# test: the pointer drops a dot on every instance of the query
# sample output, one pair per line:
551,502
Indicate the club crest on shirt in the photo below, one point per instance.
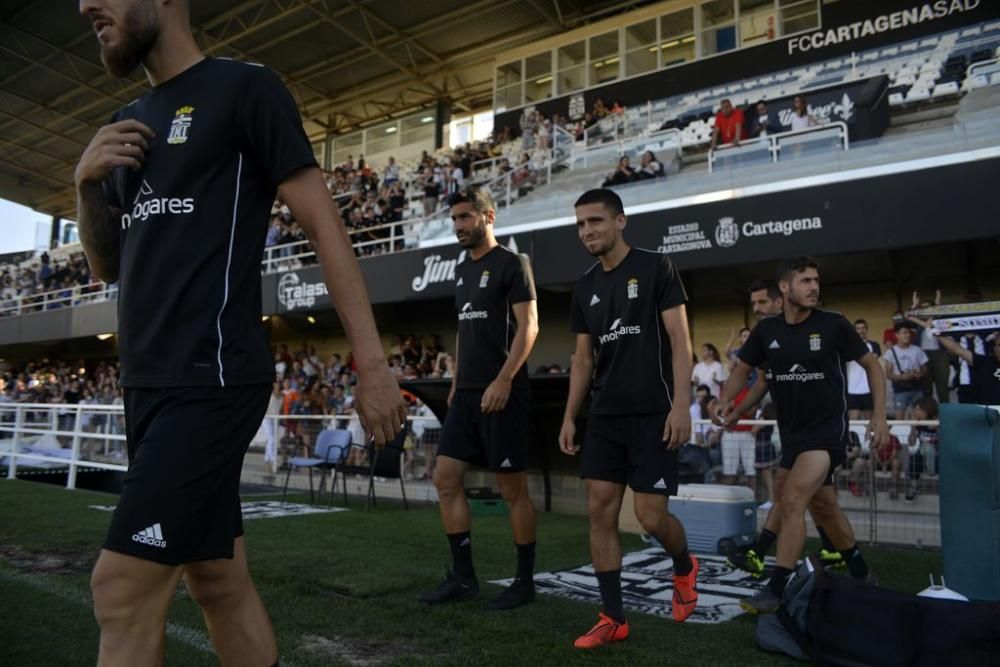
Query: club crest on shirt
180,125
633,288
484,279
815,343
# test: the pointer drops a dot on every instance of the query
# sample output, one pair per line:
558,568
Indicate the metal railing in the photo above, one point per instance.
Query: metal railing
598,153
984,73
92,436
58,298
86,437
772,142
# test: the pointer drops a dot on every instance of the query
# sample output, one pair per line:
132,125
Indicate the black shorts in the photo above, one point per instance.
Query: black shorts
629,449
498,441
860,402
838,454
180,498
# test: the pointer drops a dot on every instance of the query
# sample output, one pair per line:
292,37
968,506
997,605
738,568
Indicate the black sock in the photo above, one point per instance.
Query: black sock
525,561
779,579
764,542
682,563
461,554
855,562
610,583
827,544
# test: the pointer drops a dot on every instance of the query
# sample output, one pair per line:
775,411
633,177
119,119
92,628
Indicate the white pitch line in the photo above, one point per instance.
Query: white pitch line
184,635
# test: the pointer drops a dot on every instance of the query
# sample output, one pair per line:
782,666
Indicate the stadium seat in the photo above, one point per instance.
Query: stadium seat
917,95
944,89
332,446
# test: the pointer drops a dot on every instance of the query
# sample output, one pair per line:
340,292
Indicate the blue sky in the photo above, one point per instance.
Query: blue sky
18,226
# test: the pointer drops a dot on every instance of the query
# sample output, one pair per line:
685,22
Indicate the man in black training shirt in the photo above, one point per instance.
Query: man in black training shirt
766,301
633,348
488,422
805,351
985,367
173,201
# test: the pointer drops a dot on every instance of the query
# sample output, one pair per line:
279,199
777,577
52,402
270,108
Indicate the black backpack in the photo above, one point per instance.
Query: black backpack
840,621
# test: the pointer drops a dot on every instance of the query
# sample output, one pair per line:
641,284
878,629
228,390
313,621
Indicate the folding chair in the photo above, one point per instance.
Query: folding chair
331,449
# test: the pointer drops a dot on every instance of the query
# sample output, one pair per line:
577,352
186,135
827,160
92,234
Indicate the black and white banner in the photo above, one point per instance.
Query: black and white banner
647,586
961,318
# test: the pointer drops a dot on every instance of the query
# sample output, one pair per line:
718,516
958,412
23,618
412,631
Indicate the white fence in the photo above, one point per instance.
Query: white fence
772,144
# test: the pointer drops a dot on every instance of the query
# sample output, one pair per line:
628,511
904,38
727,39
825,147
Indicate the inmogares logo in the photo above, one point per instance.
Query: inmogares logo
144,209
468,314
617,330
798,373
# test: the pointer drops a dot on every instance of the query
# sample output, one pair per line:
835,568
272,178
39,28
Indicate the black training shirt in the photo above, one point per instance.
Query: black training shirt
485,291
193,223
806,374
986,378
621,310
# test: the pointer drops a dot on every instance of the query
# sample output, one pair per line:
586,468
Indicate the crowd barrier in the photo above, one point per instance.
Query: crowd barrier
872,490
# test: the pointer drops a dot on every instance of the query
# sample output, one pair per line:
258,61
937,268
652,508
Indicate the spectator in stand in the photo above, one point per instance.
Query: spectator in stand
886,457
764,122
737,340
543,132
390,173
432,191
889,335
649,167
709,370
600,111
801,119
728,125
859,394
924,439
739,448
985,367
766,454
905,366
963,377
938,369
622,175
616,107
457,175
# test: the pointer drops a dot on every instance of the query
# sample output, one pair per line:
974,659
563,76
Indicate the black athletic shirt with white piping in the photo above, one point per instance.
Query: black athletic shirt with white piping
193,223
621,310
485,291
806,374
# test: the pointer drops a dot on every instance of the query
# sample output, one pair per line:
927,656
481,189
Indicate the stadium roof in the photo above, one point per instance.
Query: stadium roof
347,63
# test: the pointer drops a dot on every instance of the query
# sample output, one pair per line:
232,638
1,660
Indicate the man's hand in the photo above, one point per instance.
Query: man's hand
677,430
380,405
726,415
121,144
878,433
567,436
495,397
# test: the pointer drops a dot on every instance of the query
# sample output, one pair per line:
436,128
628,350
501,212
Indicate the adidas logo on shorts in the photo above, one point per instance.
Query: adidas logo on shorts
594,300
774,345
152,536
660,484
506,464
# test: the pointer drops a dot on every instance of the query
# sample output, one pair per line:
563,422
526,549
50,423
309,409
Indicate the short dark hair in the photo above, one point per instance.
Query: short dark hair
759,102
773,292
609,198
860,320
794,265
479,198
705,388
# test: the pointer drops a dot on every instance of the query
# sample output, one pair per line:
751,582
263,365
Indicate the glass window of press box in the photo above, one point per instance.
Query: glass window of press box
383,137
643,46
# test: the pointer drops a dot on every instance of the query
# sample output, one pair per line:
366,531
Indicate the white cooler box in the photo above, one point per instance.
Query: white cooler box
716,517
